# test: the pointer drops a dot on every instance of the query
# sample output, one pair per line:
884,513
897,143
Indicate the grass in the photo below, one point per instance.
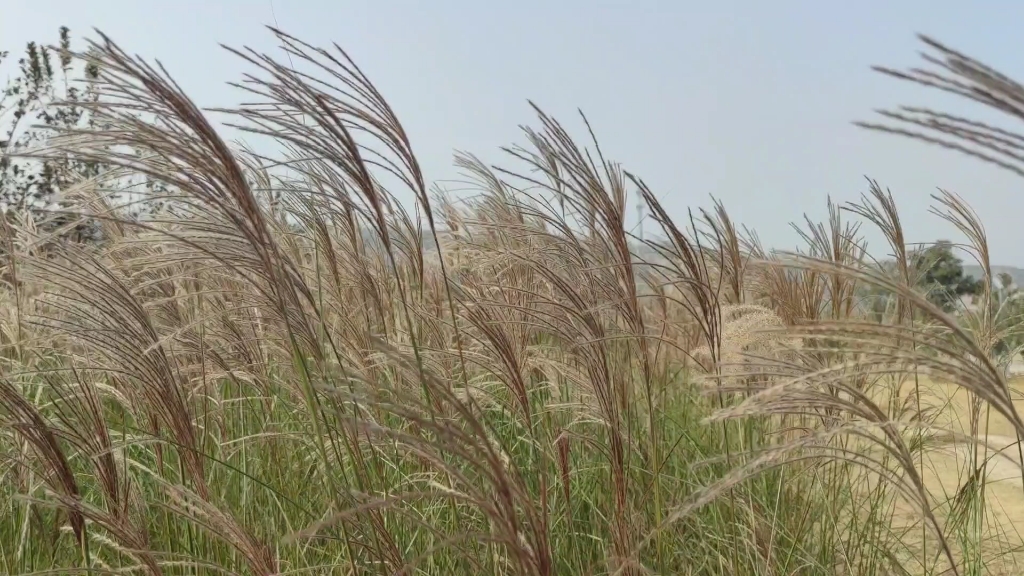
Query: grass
286,372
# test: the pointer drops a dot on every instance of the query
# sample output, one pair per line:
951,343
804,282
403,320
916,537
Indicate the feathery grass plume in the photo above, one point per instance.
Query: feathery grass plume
688,268
79,407
797,296
486,481
595,193
97,305
879,209
989,328
838,242
746,333
729,244
21,416
961,75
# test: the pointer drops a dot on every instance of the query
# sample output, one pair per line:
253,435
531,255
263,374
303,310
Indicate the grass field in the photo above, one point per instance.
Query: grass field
278,373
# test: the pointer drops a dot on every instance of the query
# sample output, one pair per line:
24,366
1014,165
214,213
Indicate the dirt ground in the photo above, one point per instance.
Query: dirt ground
945,468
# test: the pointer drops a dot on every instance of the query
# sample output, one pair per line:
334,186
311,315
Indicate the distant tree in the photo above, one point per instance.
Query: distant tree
51,93
1005,281
942,275
45,97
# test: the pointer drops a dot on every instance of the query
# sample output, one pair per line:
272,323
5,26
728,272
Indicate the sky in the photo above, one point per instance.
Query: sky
749,101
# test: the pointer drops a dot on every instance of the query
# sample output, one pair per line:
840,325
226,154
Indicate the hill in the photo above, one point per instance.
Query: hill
1016,273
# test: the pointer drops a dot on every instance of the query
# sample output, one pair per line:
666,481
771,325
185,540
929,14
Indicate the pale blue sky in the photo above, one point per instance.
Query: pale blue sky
748,100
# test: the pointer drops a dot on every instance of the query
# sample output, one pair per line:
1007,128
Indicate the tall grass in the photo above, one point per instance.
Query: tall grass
288,372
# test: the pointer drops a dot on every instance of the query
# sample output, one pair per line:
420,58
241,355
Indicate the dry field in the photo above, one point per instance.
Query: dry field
1005,486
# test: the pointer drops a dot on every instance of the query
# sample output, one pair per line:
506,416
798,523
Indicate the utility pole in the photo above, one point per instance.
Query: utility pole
640,216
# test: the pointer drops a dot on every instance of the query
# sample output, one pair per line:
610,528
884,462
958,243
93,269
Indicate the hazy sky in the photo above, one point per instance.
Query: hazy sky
750,101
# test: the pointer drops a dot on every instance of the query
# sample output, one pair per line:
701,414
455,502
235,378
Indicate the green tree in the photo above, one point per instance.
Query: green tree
942,275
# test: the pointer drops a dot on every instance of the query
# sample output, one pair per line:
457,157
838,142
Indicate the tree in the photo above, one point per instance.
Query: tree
1005,282
41,102
942,275
47,96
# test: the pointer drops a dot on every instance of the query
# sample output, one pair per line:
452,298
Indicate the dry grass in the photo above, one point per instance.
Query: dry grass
287,372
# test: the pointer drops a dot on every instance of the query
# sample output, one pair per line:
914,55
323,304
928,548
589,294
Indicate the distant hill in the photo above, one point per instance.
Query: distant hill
652,255
1016,273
